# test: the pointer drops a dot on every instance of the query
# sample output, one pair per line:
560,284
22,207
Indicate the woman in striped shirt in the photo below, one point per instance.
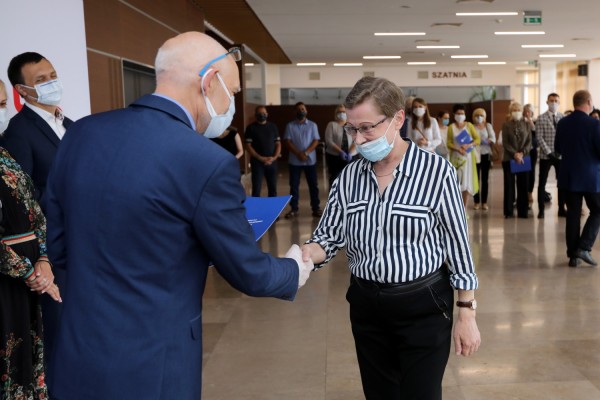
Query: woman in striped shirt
398,213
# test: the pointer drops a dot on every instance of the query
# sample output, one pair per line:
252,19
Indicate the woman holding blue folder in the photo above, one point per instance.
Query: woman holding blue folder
516,164
462,139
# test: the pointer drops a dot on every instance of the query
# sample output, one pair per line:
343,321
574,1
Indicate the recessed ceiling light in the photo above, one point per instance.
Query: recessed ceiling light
470,56
400,33
520,33
438,47
381,57
491,62
477,14
347,64
557,55
310,64
249,64
541,46
421,63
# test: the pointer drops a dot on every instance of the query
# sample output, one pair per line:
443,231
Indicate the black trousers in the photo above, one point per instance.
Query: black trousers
335,165
586,239
483,173
544,170
521,179
402,339
269,172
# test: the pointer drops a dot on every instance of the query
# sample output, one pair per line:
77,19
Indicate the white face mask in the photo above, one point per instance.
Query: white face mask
218,123
479,119
341,116
516,115
48,93
553,107
419,111
460,118
3,119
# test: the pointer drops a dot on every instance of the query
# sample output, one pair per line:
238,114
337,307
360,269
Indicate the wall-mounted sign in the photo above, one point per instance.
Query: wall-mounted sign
450,74
532,17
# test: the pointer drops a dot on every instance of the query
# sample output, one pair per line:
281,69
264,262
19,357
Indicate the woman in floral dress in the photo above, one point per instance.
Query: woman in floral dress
25,273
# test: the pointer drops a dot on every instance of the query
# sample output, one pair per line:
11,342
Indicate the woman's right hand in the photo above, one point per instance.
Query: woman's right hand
54,292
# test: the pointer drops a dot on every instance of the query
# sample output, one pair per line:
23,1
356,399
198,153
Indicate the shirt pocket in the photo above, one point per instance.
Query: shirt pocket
410,224
355,218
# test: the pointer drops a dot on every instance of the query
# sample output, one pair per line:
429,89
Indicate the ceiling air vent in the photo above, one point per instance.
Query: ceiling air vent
422,74
425,41
474,1
314,76
370,74
446,24
477,74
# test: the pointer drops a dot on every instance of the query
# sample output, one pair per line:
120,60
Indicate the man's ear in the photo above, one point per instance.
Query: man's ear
208,80
21,90
399,119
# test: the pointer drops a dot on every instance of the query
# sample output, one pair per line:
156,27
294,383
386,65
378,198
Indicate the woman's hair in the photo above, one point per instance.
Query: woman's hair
458,107
386,95
2,86
479,111
426,117
440,115
337,110
513,105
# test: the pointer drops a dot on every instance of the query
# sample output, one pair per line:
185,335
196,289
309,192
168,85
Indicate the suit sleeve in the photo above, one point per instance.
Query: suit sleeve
19,148
55,235
224,232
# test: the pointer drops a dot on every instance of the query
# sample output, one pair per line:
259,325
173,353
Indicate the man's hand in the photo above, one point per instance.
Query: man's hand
304,268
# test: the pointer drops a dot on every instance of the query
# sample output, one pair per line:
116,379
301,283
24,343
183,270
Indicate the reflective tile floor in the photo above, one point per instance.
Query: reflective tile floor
539,320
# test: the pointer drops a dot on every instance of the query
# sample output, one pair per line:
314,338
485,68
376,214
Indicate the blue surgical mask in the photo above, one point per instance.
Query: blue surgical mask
48,93
378,149
446,121
218,123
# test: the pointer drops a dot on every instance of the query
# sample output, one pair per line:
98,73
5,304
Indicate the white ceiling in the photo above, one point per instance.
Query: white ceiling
343,30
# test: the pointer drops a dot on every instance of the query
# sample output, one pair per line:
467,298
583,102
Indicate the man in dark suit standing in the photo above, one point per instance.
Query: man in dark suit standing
578,141
32,138
139,202
33,135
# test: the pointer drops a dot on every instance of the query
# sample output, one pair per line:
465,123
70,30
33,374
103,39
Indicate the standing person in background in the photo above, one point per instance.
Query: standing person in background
578,141
484,153
462,155
230,140
443,119
302,138
264,146
407,251
339,147
545,129
595,114
25,274
423,130
405,127
137,226
516,140
32,139
528,117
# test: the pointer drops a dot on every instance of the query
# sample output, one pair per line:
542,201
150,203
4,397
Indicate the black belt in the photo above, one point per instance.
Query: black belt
403,287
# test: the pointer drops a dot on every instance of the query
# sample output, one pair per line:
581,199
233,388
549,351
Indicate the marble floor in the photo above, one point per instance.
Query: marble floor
539,320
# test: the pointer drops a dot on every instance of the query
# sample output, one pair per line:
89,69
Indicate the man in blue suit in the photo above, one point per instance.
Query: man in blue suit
139,204
578,141
32,138
33,135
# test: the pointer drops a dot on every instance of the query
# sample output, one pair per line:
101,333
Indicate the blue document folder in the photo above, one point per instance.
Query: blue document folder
515,167
261,212
463,138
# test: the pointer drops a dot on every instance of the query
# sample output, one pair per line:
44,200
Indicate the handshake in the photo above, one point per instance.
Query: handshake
345,156
304,268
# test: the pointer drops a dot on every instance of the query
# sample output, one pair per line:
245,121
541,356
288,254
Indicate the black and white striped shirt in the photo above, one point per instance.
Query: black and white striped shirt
405,233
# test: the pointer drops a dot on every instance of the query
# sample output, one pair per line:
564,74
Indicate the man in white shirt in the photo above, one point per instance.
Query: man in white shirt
33,135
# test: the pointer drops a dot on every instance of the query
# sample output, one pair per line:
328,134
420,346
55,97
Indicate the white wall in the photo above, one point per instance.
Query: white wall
56,30
594,81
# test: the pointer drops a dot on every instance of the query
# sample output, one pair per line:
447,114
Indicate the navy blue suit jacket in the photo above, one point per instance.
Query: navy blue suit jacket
138,203
578,141
33,144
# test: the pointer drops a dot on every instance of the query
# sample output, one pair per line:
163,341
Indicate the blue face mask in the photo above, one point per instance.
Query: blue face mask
378,149
446,121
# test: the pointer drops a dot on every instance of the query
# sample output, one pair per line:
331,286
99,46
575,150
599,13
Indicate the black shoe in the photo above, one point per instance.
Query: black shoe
562,213
574,262
540,215
291,214
585,256
547,197
317,213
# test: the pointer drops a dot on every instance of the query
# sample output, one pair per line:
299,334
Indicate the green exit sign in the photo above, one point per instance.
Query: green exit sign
532,20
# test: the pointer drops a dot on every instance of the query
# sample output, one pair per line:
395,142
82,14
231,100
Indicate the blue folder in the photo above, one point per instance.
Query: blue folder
515,167
261,212
463,137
